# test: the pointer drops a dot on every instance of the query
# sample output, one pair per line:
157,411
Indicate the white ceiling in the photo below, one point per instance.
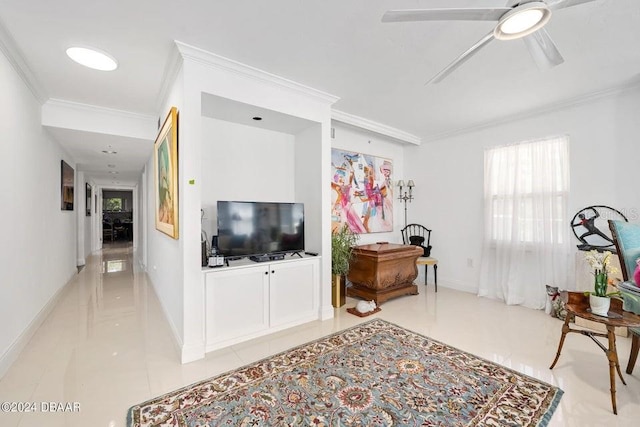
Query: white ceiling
336,46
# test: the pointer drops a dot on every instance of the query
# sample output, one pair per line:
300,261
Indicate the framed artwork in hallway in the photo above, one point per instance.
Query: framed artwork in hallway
166,175
66,186
88,197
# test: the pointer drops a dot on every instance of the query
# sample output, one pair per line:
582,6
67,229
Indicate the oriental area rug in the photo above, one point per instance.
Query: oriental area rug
373,374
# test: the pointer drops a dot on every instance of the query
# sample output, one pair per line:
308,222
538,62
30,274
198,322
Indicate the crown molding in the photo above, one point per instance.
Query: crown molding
216,61
556,106
376,127
15,57
94,109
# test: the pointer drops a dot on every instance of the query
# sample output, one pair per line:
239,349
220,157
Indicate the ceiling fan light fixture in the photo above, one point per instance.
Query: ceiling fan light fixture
522,20
92,58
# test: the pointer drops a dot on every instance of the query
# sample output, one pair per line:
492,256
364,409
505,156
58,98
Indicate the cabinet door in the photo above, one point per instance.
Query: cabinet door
293,291
237,304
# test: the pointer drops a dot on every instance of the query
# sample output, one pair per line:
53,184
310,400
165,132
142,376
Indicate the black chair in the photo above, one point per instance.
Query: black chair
108,231
417,235
118,228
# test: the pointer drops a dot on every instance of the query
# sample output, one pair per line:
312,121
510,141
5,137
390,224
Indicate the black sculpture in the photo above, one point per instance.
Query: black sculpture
587,231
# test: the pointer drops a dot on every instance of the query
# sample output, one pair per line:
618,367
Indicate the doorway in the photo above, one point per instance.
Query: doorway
117,217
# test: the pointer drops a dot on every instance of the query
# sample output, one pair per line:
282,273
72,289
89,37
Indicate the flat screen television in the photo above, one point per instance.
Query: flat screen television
259,228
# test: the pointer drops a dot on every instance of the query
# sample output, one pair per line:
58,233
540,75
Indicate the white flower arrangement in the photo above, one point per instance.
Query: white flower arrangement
600,262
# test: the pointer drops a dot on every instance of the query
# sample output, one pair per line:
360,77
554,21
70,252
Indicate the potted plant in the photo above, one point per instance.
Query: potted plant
342,242
599,300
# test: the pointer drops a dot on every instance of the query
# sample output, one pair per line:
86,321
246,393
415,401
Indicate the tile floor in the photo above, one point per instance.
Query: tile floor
107,346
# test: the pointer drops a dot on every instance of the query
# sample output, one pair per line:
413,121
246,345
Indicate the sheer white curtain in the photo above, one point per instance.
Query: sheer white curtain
526,243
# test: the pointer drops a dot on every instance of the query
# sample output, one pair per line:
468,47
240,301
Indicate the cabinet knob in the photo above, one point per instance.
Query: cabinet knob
272,272
266,272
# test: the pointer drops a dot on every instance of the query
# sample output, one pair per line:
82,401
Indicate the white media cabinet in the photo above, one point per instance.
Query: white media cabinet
246,299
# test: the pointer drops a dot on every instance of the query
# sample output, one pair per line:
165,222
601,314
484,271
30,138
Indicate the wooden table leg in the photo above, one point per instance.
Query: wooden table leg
614,349
565,330
635,348
612,355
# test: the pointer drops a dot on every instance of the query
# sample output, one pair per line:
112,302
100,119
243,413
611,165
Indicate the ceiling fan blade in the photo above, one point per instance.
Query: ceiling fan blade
478,14
461,59
563,4
543,50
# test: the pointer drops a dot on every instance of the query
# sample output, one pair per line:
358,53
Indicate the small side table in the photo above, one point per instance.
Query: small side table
427,261
578,306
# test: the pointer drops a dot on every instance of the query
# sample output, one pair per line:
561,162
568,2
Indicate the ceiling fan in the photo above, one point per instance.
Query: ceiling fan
518,19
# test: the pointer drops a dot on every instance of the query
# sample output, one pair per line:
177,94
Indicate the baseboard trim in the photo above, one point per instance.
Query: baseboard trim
13,352
192,352
458,285
326,312
177,341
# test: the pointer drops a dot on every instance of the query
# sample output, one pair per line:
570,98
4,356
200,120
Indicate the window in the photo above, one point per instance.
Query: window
526,243
526,190
113,204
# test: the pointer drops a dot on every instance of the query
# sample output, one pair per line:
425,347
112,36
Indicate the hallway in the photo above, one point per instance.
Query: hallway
107,346
94,348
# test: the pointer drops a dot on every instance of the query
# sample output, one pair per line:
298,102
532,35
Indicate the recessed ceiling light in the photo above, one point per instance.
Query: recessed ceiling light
256,118
111,166
92,58
113,172
109,152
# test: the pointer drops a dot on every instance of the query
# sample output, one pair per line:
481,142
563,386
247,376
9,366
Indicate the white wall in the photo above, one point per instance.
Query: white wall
308,188
312,175
604,151
141,219
362,141
244,163
164,254
38,249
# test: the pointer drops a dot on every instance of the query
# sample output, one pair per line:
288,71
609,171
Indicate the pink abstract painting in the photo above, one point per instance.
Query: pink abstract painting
362,192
